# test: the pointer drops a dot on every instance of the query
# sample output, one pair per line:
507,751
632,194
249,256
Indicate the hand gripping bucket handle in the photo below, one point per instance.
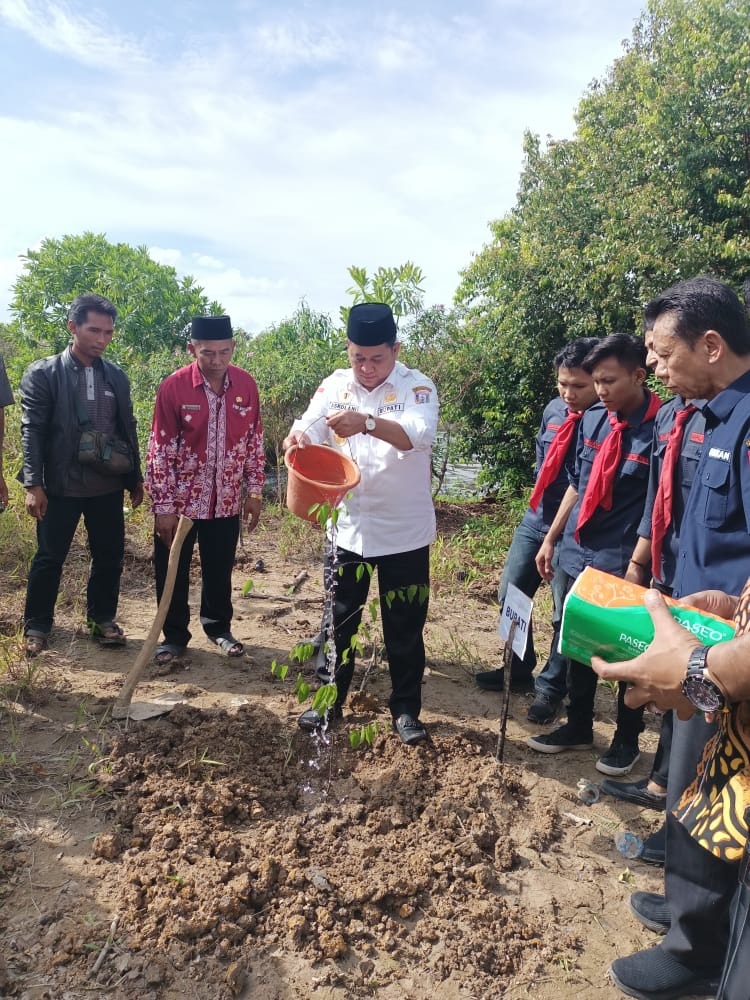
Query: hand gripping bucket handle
317,475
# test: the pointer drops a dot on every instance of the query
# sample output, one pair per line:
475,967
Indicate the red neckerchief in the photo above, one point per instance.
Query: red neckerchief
661,516
600,485
553,460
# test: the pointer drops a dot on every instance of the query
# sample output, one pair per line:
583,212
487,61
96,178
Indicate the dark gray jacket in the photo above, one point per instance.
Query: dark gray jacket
49,421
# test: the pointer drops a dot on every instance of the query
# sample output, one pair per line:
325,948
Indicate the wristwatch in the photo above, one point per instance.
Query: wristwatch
369,423
697,685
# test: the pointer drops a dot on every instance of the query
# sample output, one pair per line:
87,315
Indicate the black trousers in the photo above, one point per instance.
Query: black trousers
105,527
217,545
402,619
582,683
699,887
660,769
736,973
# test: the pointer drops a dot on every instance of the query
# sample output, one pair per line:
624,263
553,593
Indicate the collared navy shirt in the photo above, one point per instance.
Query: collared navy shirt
684,474
608,539
715,536
555,413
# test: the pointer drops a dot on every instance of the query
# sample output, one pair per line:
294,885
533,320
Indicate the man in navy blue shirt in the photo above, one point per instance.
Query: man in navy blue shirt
598,520
680,441
702,341
555,450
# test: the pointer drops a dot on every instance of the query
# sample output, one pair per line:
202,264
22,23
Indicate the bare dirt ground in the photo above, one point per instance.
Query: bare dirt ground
221,852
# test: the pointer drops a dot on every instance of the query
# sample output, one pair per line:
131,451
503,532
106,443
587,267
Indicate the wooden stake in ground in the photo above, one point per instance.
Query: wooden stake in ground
507,660
121,708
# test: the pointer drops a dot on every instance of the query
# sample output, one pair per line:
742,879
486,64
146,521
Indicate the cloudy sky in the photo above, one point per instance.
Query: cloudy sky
263,147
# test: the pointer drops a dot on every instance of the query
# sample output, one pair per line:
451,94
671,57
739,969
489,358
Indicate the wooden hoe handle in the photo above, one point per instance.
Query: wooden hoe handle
151,641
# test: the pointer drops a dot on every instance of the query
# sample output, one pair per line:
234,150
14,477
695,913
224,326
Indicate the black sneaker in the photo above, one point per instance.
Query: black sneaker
543,709
492,680
655,847
652,910
655,975
410,730
310,720
563,738
619,759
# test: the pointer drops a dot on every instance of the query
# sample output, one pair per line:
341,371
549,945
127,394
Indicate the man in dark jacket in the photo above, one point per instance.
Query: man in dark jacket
61,396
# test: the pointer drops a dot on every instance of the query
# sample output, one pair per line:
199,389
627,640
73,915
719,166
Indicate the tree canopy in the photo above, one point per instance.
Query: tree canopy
653,188
154,305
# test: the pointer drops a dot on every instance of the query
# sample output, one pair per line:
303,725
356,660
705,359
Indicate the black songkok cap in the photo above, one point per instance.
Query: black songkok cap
211,328
370,324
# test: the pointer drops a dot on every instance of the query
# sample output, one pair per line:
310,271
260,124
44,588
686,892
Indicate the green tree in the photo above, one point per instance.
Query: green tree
399,287
654,187
154,304
288,361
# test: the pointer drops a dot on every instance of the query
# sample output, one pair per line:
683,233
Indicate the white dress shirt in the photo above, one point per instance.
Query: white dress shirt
391,510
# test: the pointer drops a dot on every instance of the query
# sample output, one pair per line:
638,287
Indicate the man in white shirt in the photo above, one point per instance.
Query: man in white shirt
384,415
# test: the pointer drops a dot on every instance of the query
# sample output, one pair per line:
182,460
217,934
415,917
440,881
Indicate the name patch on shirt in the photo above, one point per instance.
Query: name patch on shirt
391,408
723,456
422,393
107,392
342,406
697,438
190,406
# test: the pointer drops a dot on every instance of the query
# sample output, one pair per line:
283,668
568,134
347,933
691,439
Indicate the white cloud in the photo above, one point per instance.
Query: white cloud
76,36
265,157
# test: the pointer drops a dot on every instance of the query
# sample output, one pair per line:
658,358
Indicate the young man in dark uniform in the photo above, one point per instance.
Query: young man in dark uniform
555,450
678,440
598,520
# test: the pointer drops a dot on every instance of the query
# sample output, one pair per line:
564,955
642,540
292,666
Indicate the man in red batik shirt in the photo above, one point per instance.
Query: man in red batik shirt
206,461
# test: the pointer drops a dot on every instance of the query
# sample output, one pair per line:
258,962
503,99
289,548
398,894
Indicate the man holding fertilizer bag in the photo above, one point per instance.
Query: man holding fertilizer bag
702,341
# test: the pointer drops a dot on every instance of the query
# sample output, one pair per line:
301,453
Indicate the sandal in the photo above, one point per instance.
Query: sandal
34,643
168,652
228,644
107,633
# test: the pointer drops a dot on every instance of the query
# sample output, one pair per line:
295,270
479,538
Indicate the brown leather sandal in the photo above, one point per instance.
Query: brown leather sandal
107,633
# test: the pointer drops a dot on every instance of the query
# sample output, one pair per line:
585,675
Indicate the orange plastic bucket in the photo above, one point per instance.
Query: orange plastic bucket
317,474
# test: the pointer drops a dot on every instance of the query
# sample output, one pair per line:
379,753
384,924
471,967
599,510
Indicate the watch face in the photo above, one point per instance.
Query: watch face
370,423
702,693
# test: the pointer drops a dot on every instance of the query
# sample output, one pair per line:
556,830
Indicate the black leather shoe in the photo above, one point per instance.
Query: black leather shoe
543,709
636,792
655,847
410,730
310,720
492,680
651,909
655,975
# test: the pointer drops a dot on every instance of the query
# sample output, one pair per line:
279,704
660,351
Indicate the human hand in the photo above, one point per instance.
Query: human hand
36,502
656,675
136,496
716,602
251,512
295,437
165,527
347,423
544,560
